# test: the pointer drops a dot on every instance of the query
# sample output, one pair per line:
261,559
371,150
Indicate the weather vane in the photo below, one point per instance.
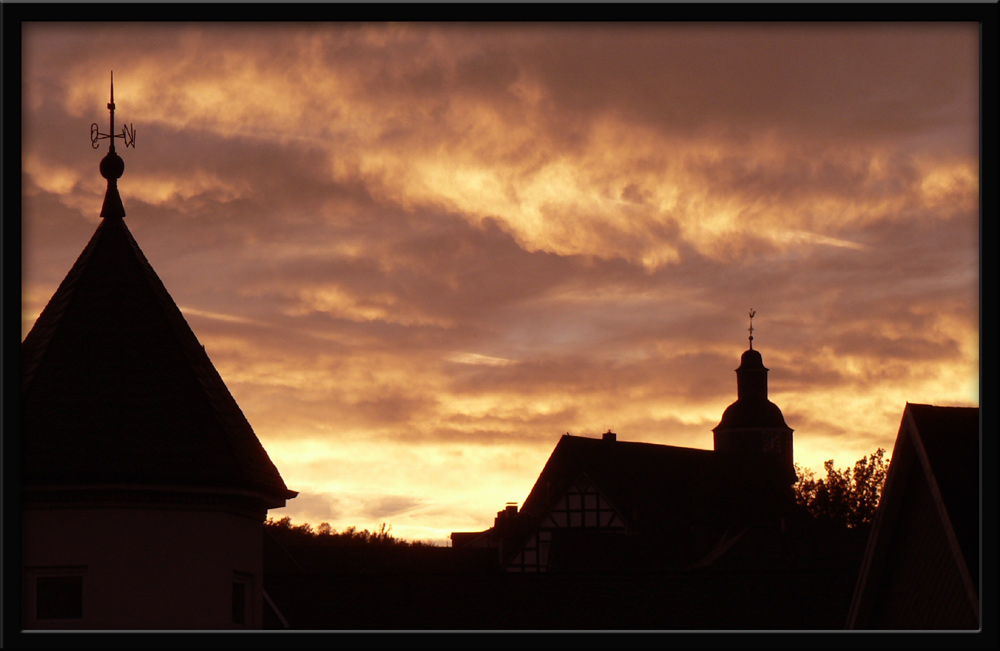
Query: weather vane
753,313
128,133
112,166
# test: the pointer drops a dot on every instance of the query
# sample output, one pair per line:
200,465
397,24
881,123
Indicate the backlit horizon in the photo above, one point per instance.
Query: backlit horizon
418,254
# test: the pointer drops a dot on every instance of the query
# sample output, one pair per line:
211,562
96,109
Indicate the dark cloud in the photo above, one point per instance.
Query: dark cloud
805,175
488,73
814,81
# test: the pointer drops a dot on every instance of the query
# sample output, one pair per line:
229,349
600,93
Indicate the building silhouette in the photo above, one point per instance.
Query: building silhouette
613,535
603,503
144,488
921,566
753,429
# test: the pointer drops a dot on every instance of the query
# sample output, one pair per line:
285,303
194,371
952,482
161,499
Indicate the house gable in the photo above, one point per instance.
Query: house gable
920,566
583,506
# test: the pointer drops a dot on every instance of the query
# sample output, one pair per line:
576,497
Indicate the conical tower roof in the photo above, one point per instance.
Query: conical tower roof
116,390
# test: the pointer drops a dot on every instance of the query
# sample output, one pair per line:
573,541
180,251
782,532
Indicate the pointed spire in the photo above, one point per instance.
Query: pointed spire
112,166
96,413
753,313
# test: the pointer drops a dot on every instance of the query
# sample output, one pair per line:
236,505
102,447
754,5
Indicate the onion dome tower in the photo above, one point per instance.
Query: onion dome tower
144,487
753,428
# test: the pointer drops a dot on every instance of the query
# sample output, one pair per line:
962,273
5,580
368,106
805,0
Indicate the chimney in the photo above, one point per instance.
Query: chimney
505,517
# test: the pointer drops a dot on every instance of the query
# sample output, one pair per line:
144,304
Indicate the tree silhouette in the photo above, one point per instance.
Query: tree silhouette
324,534
847,497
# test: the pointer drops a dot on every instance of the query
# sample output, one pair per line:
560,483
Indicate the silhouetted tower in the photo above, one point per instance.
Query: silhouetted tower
752,428
143,486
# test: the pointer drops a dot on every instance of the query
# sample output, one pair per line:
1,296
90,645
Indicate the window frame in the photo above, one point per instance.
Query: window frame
242,582
37,576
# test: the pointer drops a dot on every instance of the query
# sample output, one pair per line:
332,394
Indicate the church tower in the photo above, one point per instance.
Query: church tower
143,487
753,428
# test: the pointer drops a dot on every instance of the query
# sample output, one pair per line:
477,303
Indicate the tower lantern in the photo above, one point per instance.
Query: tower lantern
753,427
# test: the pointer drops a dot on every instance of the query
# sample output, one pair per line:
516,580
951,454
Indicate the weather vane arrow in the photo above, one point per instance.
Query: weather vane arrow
112,166
128,133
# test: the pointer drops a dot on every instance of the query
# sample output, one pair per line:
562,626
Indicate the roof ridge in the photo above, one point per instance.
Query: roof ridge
577,437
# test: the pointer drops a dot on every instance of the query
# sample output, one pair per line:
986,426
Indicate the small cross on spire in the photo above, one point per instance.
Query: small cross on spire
753,313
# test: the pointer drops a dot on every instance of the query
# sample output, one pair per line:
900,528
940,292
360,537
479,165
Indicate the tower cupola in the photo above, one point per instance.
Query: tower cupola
753,427
751,377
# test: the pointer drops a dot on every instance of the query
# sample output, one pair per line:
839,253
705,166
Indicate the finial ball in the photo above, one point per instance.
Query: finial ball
112,166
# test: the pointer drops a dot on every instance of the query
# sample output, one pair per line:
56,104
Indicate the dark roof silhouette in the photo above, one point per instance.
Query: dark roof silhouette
679,506
921,566
651,484
752,409
117,390
743,414
950,437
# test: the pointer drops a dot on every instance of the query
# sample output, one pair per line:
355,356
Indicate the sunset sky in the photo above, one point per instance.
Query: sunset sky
420,253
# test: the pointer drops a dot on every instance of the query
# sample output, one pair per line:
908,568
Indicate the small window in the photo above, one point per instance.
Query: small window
239,602
243,596
59,597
